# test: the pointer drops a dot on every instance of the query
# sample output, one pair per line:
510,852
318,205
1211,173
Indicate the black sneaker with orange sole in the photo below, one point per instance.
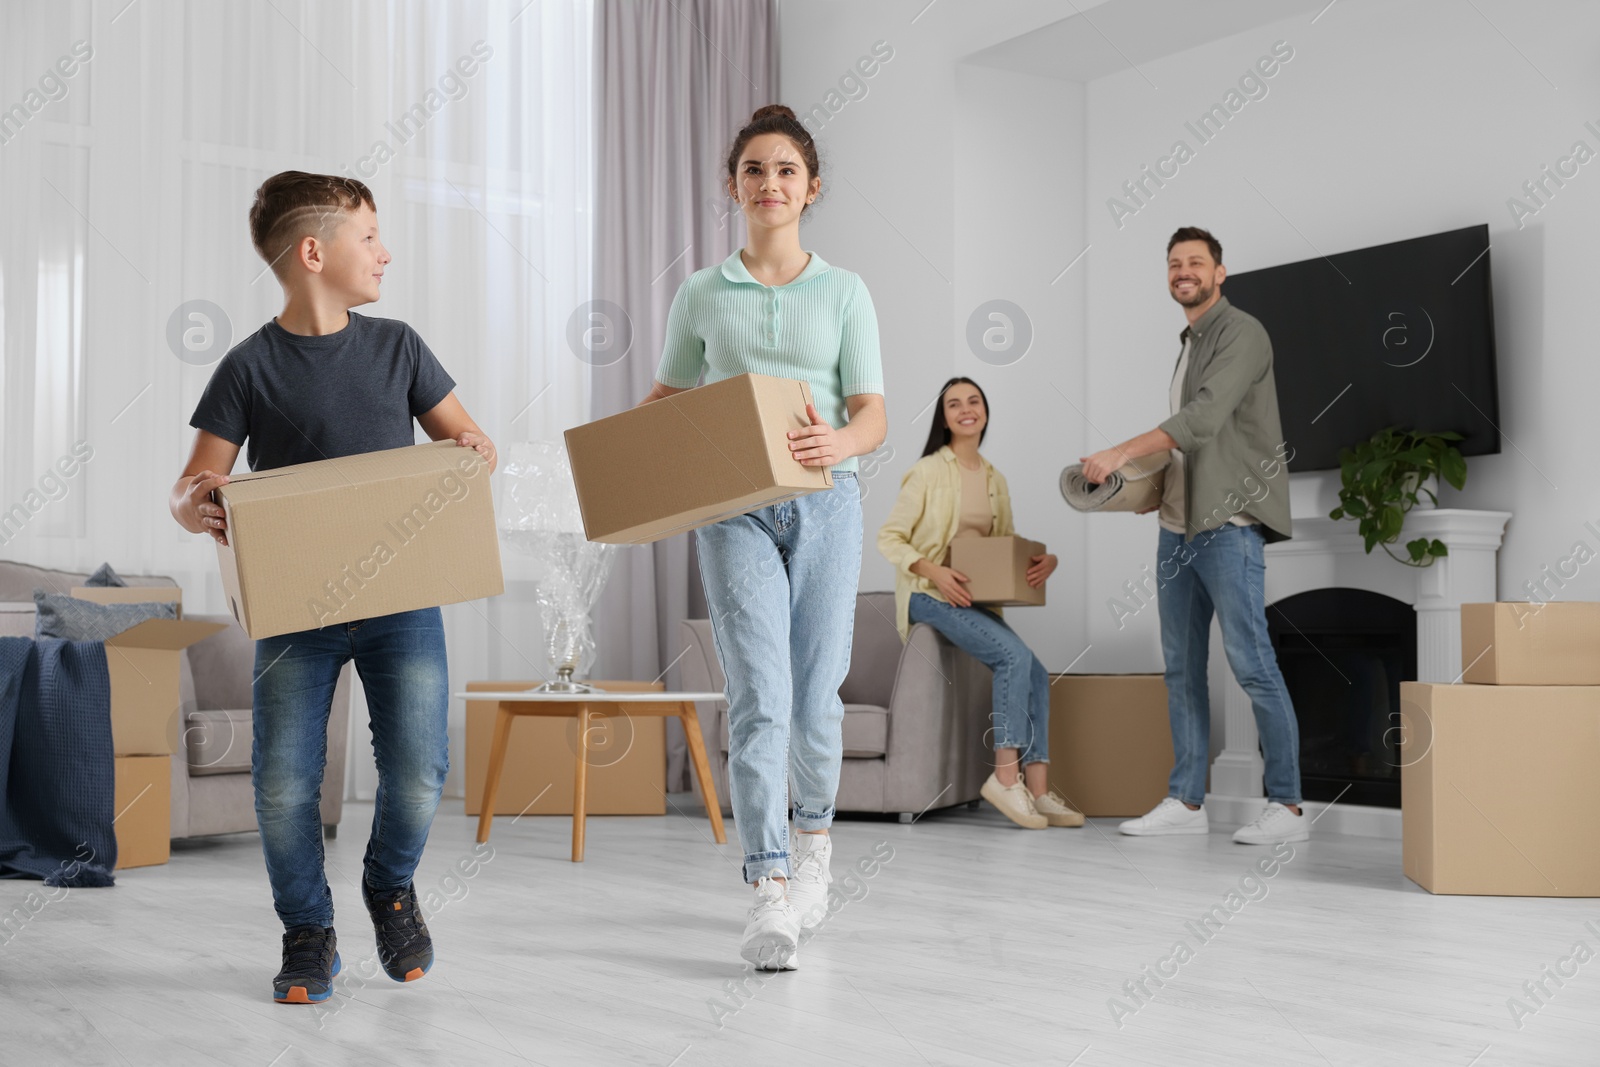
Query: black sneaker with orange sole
310,960
404,947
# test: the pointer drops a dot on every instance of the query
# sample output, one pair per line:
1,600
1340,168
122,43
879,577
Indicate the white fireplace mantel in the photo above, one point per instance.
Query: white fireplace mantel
1328,554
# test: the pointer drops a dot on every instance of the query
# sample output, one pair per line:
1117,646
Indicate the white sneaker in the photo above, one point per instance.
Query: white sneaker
809,877
1171,816
1276,823
1014,802
772,936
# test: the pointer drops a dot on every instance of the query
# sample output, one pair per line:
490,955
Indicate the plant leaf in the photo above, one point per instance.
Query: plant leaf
1417,548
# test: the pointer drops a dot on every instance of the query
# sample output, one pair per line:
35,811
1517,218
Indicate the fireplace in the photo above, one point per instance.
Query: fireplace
1349,742
1344,653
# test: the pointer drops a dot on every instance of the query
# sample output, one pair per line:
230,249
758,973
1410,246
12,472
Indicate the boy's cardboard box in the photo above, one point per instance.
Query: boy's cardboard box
997,569
357,537
692,459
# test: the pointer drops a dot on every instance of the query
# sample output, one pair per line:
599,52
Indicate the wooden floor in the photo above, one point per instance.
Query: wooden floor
976,943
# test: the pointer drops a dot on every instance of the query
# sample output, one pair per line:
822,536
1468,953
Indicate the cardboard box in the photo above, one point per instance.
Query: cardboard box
627,759
692,459
997,569
1497,789
143,810
1527,644
143,664
1110,742
338,540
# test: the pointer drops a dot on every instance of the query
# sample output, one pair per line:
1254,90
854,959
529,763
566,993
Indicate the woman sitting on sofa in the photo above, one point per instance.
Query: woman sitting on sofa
952,492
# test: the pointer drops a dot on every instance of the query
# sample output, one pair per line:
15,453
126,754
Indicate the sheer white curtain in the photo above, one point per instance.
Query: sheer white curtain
126,185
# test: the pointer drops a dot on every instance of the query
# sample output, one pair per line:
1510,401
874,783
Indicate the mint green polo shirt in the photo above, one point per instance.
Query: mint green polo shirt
820,328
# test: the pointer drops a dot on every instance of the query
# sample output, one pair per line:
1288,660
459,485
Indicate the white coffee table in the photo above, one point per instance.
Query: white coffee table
619,698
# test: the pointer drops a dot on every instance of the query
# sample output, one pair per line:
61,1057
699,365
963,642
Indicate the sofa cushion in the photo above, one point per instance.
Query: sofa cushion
16,620
866,731
218,742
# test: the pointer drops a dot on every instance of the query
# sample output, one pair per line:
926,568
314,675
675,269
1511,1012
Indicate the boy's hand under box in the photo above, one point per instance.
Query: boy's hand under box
997,569
353,538
692,459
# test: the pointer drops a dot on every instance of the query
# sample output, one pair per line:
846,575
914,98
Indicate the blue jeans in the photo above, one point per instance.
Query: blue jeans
401,661
1222,571
1021,707
781,589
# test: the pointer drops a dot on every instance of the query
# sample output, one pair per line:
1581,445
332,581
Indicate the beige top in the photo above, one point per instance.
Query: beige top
976,517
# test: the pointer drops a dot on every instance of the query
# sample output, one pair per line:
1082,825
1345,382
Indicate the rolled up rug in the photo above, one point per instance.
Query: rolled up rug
1134,486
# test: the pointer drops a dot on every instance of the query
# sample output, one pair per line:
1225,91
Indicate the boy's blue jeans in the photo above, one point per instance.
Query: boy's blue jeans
401,660
781,589
1222,572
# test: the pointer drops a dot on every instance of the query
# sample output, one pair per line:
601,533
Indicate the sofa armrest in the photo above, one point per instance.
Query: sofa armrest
937,752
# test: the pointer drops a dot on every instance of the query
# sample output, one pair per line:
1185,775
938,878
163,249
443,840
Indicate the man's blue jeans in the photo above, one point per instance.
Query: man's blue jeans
781,589
1222,572
1020,709
401,660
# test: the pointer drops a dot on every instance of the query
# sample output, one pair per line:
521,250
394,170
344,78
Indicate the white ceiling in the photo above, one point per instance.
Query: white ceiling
1115,36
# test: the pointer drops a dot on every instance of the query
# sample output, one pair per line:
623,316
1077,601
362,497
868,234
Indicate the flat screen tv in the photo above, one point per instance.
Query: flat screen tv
1396,335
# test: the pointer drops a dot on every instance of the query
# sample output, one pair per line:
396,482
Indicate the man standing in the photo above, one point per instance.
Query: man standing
1226,495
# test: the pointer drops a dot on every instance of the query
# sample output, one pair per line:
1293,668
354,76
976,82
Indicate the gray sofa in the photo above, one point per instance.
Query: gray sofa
211,790
916,715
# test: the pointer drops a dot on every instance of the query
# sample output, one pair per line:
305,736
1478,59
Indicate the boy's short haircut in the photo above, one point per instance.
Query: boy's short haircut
294,205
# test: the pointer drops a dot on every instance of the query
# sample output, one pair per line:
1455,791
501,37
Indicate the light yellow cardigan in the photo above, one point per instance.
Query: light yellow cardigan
924,520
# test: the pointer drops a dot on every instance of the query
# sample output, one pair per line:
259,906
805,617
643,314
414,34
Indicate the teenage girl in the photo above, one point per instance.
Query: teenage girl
781,582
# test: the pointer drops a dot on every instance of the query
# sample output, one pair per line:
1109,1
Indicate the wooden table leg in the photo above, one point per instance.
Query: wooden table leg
702,768
580,783
497,762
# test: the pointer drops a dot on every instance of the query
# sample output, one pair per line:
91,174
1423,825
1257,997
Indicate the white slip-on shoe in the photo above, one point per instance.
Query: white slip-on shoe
1171,816
1054,807
1014,802
772,936
1275,823
809,877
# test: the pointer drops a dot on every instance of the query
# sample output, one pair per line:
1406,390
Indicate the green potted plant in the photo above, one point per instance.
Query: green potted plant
1381,480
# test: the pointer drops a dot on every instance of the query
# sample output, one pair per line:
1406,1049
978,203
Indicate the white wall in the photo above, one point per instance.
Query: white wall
943,190
1390,121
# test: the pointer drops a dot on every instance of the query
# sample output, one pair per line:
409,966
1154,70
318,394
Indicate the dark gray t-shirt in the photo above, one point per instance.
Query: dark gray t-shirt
298,399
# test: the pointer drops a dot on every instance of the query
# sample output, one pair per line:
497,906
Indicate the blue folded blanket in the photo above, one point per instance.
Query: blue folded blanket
57,775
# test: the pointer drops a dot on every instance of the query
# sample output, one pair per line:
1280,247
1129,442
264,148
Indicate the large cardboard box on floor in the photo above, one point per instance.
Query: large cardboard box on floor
338,540
997,569
1110,744
1497,789
627,759
1531,644
143,664
692,459
143,804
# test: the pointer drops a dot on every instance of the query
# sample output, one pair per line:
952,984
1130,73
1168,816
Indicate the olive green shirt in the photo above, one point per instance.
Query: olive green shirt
1235,457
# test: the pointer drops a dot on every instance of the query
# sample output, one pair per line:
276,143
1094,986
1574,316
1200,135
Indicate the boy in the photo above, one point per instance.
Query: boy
319,382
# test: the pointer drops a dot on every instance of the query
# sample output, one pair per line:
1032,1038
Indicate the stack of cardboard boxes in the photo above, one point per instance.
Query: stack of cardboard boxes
145,713
1498,773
